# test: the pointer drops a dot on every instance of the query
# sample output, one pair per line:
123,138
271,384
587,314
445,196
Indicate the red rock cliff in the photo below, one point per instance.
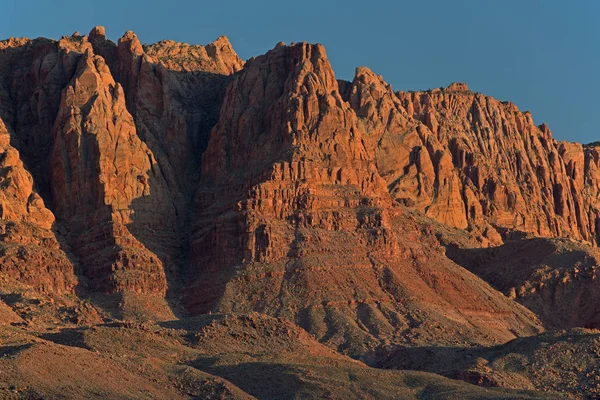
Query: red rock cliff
507,173
294,219
270,186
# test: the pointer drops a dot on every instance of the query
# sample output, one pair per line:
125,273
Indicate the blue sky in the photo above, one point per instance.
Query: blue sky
543,55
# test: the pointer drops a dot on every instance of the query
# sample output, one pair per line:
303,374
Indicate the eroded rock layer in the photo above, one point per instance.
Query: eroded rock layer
555,278
29,249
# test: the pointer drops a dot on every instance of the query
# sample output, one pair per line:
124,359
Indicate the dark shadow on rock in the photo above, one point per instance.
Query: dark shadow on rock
260,379
192,325
162,220
513,263
33,105
489,366
73,337
175,123
9,351
554,278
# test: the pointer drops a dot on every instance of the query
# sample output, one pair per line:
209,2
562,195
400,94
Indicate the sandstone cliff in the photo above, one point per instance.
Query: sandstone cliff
294,219
506,174
112,138
180,171
29,250
167,180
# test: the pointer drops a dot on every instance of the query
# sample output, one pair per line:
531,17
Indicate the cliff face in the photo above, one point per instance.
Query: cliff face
506,172
174,92
472,162
180,171
295,220
111,138
29,250
99,167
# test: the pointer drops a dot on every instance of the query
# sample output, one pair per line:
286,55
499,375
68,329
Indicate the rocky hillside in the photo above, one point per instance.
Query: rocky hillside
165,181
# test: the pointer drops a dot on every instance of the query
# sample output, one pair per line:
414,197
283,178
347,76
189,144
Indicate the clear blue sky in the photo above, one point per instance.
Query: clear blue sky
543,55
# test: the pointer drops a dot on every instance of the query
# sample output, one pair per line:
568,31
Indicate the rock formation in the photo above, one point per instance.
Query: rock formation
271,186
164,181
476,163
555,278
294,220
29,250
99,167
507,173
120,187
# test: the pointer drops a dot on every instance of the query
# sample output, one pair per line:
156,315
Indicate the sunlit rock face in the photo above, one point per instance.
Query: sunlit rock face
181,171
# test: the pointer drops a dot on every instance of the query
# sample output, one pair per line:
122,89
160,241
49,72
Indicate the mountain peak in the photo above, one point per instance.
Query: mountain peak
222,40
130,43
458,87
97,32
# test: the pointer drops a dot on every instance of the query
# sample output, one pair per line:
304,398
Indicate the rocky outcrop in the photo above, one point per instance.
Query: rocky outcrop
271,186
532,363
476,163
29,250
416,166
114,136
174,92
294,220
31,79
18,201
217,57
170,179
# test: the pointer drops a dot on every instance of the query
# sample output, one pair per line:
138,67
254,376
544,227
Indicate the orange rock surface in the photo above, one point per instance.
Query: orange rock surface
505,172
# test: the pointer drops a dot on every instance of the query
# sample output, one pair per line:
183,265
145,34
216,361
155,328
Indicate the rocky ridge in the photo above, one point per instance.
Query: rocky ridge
173,179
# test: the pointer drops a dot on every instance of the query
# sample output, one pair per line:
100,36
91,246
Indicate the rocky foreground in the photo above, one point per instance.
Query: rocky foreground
178,223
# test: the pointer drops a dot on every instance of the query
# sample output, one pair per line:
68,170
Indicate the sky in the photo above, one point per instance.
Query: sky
542,55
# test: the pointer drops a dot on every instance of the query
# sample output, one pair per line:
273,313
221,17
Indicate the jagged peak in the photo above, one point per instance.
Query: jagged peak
458,87
300,58
544,127
222,44
454,87
130,41
97,32
129,35
14,42
362,70
217,56
297,52
364,74
309,47
78,44
367,76
222,41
